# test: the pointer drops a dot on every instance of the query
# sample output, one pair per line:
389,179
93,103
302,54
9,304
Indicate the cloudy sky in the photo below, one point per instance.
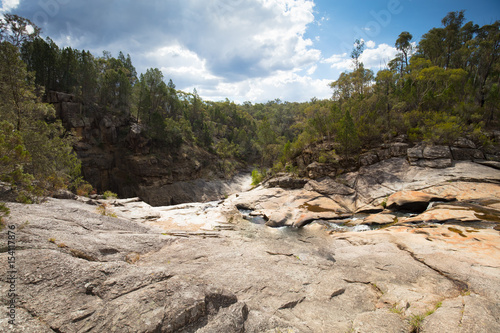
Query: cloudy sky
244,50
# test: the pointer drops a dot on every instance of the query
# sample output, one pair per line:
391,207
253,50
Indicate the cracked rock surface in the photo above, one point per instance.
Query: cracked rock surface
149,270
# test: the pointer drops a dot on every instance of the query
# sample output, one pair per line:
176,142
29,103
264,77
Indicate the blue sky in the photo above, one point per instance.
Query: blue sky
245,50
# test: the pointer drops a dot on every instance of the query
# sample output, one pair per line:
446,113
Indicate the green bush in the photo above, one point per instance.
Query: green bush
256,177
110,195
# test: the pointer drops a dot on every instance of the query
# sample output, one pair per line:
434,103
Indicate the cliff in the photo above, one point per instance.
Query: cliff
116,155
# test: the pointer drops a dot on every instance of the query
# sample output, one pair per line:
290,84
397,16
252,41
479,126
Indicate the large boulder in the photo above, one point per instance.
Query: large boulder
412,201
437,152
328,186
287,181
467,154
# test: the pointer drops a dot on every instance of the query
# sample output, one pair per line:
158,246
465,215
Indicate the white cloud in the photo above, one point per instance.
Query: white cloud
217,46
370,44
378,58
339,61
8,5
284,85
374,57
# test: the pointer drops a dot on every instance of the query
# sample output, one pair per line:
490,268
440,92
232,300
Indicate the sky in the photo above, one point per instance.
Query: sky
245,50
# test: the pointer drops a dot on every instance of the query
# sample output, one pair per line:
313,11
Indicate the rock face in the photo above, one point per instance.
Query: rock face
205,268
117,156
412,201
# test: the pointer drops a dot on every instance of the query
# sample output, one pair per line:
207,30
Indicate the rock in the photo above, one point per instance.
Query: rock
436,163
379,219
328,186
379,321
230,320
277,219
437,152
470,154
473,312
464,143
64,194
412,201
445,214
415,153
287,182
492,164
399,149
384,154
316,170
368,159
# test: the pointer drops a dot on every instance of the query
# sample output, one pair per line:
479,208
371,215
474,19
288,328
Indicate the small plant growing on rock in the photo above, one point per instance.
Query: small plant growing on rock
52,240
416,323
109,195
103,209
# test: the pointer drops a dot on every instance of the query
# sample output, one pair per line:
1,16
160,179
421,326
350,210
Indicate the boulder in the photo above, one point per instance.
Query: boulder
277,219
368,159
379,219
415,153
437,152
399,149
441,163
64,194
467,154
412,201
384,154
288,182
445,215
316,170
464,143
328,186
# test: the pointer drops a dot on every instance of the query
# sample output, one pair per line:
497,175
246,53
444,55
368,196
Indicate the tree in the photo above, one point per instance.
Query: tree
403,44
347,135
17,30
359,47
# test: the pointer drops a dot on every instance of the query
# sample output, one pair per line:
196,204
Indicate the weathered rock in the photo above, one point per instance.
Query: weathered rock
379,219
399,149
464,143
441,163
278,219
492,164
316,170
464,154
415,153
384,154
445,214
379,321
287,182
64,194
368,159
412,201
437,152
328,186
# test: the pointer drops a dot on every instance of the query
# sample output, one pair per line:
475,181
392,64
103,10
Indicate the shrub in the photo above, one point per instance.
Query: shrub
4,211
110,195
256,177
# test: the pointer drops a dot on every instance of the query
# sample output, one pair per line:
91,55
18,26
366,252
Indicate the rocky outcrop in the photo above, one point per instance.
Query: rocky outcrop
412,201
116,155
203,267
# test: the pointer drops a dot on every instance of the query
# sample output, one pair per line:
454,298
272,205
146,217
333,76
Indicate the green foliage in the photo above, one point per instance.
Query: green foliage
416,323
348,135
109,195
4,211
104,210
257,177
